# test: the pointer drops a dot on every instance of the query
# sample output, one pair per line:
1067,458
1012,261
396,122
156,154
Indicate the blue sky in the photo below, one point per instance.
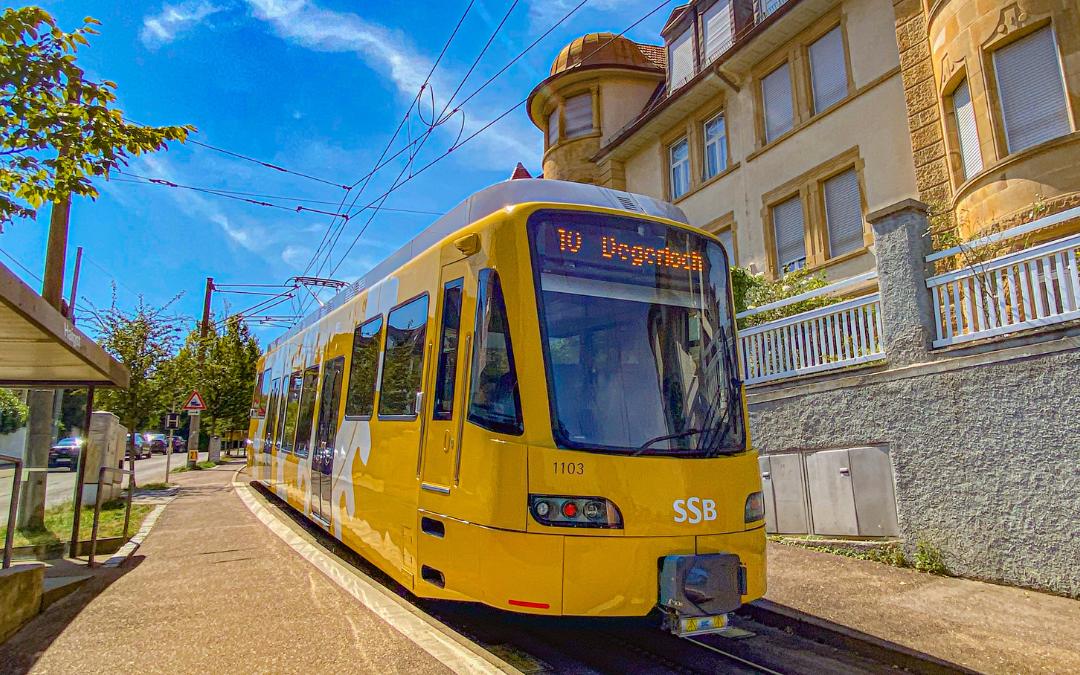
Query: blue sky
316,86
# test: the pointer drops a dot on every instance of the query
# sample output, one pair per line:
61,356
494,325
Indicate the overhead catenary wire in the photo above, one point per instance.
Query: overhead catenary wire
21,266
367,178
221,192
484,128
472,95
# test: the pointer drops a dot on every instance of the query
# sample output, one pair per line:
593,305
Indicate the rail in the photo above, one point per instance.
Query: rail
1038,286
97,507
13,507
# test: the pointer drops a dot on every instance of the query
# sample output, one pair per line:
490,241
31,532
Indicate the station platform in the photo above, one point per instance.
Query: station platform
218,585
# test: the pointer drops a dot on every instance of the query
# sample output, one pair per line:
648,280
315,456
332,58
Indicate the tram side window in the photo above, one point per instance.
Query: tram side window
292,409
262,393
403,359
494,399
448,351
272,414
360,401
307,412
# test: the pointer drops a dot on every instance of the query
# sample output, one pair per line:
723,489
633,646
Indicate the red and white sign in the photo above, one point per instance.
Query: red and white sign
195,402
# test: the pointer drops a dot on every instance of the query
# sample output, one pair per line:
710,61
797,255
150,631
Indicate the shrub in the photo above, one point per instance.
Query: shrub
928,559
13,412
754,290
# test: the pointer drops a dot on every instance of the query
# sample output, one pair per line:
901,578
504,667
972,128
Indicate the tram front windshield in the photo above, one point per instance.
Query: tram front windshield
638,336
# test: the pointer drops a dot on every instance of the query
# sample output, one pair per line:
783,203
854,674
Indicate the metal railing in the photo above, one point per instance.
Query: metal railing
837,336
13,507
97,507
1038,286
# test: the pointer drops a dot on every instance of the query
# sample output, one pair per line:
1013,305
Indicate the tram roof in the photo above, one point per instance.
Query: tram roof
482,204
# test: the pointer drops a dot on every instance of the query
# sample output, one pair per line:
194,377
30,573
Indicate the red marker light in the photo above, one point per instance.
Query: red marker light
569,509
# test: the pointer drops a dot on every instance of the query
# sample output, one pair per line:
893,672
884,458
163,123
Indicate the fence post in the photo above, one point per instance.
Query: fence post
902,242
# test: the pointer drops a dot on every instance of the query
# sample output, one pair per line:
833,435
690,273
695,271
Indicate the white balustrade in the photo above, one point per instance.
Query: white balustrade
1038,286
828,338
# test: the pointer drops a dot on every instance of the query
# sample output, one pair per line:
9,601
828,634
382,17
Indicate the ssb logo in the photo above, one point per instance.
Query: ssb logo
694,510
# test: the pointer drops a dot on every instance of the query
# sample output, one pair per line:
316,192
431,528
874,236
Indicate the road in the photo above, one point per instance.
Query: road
61,485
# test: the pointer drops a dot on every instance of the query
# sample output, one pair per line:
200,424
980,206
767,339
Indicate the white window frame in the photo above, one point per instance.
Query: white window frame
720,144
682,165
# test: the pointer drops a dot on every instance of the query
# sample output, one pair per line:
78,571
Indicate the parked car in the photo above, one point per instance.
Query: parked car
157,442
66,453
142,448
178,444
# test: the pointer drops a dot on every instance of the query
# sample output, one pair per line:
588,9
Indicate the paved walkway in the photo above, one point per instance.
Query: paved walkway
212,590
985,627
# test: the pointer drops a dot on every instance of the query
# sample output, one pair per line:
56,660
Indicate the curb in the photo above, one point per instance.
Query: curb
428,633
808,626
128,549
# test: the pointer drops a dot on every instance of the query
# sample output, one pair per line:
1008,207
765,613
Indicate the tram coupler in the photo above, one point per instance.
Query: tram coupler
698,592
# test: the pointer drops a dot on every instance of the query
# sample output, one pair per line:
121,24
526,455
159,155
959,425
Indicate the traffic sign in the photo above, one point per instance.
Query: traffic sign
172,420
195,402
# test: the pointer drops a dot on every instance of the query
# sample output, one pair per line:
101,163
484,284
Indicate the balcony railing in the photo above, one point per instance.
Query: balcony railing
1038,286
845,334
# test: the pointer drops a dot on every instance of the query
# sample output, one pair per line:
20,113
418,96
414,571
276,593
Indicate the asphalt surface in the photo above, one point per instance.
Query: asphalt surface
61,485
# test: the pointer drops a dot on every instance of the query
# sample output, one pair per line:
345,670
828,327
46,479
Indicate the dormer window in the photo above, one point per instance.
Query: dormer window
718,29
578,115
681,60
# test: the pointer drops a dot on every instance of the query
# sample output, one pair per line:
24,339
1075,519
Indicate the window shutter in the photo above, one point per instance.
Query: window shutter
578,115
828,70
718,29
788,224
776,94
553,127
681,59
843,211
966,130
1031,90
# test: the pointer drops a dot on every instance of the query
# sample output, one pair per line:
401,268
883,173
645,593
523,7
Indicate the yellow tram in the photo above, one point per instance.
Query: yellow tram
534,404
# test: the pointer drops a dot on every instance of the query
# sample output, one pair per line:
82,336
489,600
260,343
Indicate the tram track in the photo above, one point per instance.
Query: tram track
774,644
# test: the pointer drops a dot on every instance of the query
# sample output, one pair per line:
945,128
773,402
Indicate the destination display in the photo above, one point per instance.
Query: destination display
611,246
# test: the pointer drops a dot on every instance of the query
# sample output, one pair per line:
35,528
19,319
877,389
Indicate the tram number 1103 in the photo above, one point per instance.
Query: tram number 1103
569,468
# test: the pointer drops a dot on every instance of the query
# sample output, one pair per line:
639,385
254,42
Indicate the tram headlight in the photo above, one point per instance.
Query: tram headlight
755,507
565,511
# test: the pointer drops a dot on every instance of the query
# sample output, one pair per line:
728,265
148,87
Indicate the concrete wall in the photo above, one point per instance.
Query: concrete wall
20,596
984,440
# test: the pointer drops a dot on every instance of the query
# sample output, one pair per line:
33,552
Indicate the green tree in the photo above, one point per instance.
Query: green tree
754,290
13,412
226,379
57,128
143,339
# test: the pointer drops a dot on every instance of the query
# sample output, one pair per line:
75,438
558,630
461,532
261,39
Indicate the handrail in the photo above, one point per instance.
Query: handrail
1049,248
810,315
1038,224
824,290
97,508
13,507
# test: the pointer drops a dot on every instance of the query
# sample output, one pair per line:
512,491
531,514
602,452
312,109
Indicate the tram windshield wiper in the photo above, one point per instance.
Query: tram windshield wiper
667,437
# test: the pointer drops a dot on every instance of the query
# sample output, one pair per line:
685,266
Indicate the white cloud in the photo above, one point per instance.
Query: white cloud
163,27
390,52
295,256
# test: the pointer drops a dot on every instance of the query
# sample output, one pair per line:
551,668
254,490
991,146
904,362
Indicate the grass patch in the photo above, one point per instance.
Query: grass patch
198,467
927,557
58,521
156,486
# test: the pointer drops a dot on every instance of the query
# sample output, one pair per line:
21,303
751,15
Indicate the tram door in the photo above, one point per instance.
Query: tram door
443,426
322,456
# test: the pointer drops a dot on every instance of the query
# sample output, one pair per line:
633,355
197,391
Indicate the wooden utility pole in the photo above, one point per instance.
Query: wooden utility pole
41,401
200,354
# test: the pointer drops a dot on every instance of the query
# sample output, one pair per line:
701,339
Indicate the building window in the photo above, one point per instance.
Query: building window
843,213
578,115
679,161
828,70
403,358
1032,90
494,398
553,127
966,131
719,29
681,60
360,398
776,98
789,230
715,146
